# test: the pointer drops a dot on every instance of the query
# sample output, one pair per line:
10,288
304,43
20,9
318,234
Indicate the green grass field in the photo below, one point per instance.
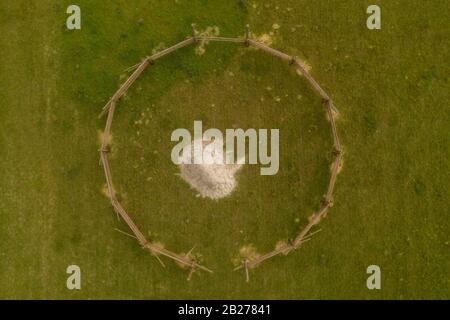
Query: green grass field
392,197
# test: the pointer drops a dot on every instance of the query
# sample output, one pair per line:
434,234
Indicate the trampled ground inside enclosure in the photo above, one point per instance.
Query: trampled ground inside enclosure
390,86
263,209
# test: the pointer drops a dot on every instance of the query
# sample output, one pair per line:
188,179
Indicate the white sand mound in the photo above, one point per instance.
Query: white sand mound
213,178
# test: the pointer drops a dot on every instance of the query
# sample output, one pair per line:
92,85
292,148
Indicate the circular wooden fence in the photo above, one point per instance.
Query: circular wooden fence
304,234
